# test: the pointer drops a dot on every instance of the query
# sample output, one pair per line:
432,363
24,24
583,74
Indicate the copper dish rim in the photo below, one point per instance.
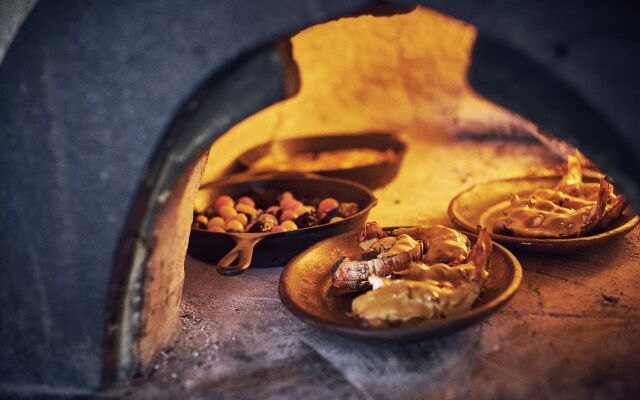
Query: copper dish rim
423,331
524,241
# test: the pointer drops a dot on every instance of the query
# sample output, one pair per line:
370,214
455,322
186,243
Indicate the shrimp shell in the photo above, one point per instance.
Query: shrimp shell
354,274
444,291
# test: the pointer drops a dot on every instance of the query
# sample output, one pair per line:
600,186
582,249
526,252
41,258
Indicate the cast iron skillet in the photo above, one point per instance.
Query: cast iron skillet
373,176
275,249
306,291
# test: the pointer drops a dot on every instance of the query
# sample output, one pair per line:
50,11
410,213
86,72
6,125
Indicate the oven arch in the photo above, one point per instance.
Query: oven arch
190,134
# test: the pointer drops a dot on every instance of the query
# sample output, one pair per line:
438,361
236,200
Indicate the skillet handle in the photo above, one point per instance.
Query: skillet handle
241,254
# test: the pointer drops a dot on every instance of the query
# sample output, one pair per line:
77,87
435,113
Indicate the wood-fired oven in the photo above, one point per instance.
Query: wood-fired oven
115,114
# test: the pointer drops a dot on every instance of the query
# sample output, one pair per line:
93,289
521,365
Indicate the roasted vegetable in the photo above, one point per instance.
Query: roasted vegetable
307,220
289,213
264,225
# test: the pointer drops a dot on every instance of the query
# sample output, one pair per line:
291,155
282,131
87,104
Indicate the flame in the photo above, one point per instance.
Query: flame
404,73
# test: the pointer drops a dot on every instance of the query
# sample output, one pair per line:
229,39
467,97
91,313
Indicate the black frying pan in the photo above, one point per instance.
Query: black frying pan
233,253
372,176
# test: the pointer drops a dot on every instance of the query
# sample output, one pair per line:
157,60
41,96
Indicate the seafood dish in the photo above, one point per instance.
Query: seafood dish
570,209
418,273
244,215
323,160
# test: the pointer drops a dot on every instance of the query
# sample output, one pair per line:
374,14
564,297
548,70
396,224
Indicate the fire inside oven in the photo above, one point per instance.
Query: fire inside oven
366,96
333,196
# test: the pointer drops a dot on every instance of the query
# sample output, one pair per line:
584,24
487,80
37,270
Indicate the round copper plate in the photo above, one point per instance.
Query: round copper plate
306,291
482,204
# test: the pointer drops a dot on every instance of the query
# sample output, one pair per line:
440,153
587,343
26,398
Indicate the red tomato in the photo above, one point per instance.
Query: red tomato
247,200
223,200
289,225
288,215
327,205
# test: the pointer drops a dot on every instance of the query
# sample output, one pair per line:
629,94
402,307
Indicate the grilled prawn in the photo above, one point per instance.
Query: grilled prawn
443,244
426,291
571,209
391,251
392,256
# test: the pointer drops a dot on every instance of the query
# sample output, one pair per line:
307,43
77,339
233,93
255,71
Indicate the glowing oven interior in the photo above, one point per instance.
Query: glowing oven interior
405,74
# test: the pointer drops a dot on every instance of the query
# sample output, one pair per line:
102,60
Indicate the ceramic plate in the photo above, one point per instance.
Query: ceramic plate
306,291
482,204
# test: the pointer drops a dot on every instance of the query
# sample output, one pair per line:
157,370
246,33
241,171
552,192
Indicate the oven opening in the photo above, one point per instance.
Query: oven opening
391,90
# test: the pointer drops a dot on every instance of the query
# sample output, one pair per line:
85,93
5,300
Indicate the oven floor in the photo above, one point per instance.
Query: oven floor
571,331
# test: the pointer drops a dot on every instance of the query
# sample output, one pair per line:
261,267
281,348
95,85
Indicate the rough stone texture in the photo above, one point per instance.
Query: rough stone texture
569,332
88,87
164,276
586,44
549,341
86,92
12,13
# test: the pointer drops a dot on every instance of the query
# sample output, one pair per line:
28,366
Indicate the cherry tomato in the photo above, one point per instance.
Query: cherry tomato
287,203
247,201
289,225
234,226
273,210
246,209
242,218
288,215
293,205
227,212
221,201
277,228
327,205
216,221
